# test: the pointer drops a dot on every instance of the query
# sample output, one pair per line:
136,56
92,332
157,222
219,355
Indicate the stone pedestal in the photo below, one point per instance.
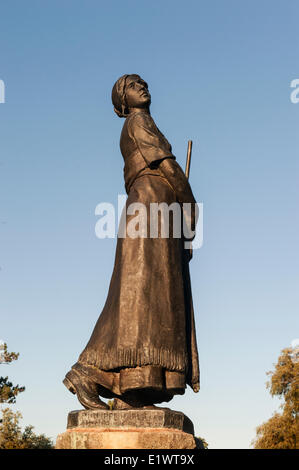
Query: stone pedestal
159,428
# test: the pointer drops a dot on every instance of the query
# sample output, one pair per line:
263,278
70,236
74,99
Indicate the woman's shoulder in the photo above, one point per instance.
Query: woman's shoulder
140,118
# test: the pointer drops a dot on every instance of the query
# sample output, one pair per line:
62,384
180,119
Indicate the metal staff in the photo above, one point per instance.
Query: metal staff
187,172
188,161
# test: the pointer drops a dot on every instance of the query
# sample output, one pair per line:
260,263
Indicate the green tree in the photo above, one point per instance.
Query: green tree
12,437
281,431
11,434
8,391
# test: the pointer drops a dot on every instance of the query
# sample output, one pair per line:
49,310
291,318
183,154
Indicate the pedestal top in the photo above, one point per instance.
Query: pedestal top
130,419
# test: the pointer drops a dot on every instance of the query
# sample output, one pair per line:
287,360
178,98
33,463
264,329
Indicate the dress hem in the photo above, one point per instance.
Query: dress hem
109,359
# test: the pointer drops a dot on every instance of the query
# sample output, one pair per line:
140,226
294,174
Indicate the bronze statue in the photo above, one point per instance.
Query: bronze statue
143,348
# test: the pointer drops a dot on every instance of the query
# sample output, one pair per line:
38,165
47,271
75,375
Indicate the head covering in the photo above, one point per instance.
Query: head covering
119,95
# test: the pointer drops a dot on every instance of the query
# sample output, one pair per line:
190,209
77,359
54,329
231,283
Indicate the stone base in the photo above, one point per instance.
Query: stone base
139,439
127,429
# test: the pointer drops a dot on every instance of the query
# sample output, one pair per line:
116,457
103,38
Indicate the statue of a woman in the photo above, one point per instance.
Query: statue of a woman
143,347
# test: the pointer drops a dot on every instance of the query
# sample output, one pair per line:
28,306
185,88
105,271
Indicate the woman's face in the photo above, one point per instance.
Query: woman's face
137,94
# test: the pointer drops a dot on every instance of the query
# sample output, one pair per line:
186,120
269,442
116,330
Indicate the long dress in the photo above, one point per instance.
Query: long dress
144,339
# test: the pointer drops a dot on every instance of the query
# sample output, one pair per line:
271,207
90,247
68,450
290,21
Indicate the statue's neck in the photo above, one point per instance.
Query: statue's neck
139,110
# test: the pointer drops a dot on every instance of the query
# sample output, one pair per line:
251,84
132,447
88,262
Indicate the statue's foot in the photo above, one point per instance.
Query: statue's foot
119,404
130,404
85,389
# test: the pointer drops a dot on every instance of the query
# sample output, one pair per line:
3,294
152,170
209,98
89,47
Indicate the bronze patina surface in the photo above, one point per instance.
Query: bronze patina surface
143,347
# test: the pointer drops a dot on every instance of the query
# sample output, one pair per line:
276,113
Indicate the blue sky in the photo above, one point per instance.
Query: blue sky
219,74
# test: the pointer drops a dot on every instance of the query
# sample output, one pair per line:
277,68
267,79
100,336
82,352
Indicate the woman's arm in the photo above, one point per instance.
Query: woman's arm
175,176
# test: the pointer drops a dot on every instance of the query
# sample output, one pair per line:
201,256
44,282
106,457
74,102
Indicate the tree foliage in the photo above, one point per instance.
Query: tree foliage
201,443
8,391
6,357
281,431
12,437
11,434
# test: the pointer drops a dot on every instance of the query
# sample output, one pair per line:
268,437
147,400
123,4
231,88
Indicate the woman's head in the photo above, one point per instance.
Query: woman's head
128,93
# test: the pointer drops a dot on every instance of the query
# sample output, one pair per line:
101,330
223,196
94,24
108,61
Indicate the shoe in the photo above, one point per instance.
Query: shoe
85,389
